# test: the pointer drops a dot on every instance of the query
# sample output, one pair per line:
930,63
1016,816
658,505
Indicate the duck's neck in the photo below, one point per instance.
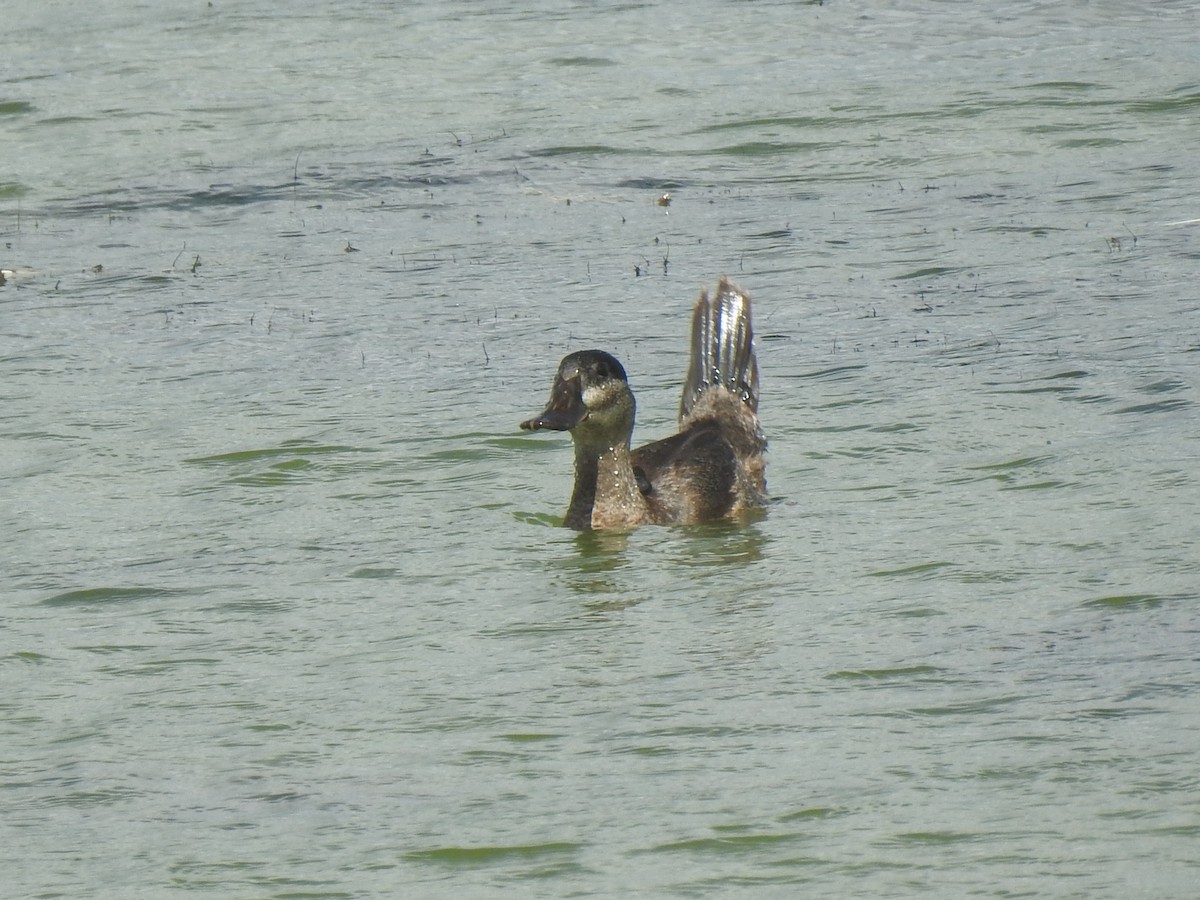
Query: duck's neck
606,491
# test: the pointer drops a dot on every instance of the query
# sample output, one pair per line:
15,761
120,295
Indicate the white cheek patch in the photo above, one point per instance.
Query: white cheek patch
595,397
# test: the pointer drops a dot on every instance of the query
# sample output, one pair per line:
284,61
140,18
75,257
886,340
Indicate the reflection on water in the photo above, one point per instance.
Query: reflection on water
608,562
724,545
601,550
593,567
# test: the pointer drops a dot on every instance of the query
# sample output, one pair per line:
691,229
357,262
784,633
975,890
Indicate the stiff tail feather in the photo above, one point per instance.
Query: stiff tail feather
722,348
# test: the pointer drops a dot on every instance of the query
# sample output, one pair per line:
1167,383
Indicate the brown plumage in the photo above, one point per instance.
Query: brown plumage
712,469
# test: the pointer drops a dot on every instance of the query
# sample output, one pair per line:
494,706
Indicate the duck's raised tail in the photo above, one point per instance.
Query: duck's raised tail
722,348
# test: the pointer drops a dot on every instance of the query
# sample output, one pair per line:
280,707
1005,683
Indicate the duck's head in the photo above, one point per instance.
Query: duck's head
590,398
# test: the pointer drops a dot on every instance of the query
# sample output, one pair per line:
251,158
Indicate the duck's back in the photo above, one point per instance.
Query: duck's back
714,467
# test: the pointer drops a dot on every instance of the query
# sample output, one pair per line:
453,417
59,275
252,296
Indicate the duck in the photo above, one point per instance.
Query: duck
712,469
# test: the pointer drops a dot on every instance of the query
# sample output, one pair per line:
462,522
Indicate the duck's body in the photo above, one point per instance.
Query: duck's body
712,469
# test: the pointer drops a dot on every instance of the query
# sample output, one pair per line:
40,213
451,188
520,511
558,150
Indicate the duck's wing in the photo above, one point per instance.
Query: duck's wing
722,349
713,467
691,476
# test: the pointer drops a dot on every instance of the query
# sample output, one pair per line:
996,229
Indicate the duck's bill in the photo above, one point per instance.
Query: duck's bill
566,409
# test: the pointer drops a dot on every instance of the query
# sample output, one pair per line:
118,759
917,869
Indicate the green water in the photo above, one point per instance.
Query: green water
287,608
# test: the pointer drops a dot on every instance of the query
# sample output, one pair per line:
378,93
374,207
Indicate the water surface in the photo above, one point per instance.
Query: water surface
287,608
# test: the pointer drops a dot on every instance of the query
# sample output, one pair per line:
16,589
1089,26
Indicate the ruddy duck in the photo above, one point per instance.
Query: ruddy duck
712,469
